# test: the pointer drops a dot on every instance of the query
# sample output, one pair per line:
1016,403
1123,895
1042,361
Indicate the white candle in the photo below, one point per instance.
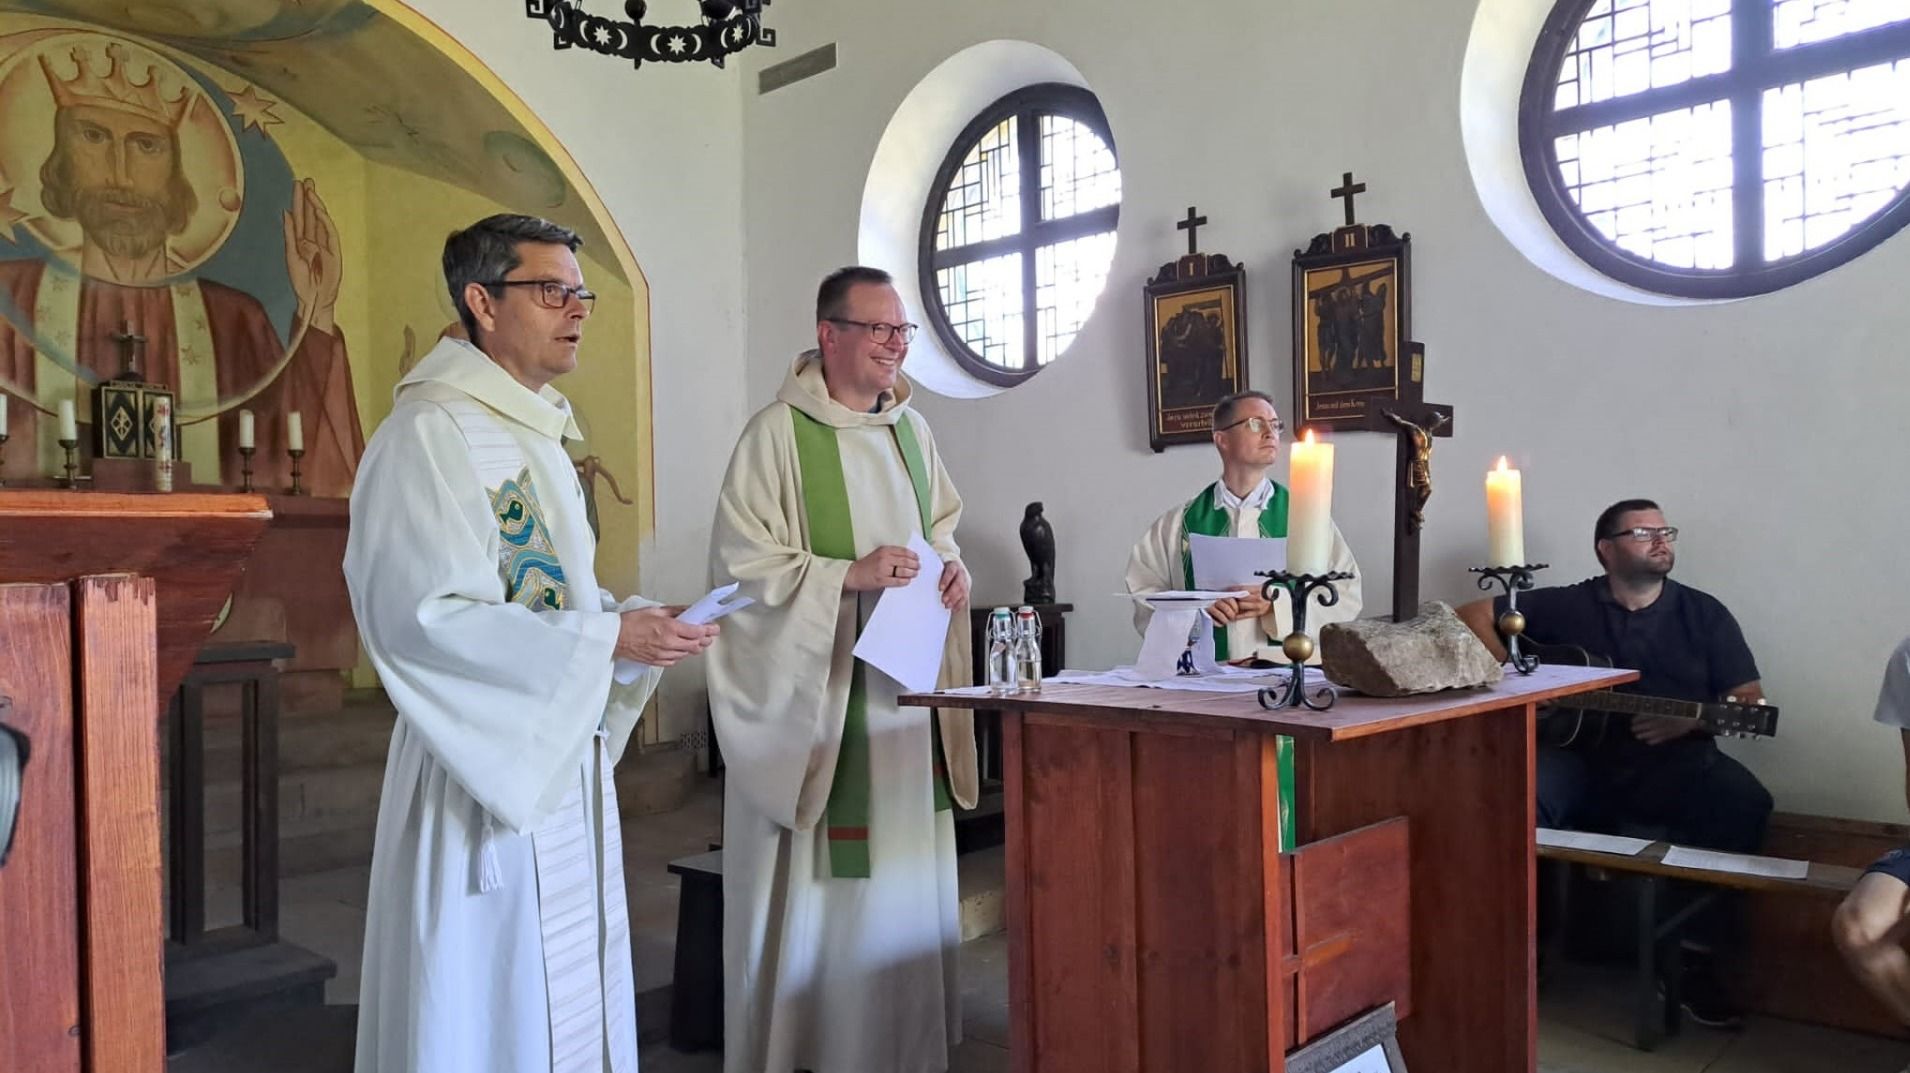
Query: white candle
69,425
294,433
1505,517
162,429
4,399
247,429
1310,509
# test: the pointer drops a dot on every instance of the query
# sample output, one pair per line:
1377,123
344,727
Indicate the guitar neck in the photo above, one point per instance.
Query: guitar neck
1632,704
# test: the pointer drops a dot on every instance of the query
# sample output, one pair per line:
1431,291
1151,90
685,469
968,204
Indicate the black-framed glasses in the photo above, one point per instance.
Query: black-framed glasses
551,293
1257,425
881,331
1644,534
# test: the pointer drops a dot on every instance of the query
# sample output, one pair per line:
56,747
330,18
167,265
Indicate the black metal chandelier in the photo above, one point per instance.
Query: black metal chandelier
728,26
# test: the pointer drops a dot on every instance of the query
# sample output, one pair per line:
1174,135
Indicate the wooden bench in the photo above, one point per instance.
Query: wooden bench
1658,1015
696,989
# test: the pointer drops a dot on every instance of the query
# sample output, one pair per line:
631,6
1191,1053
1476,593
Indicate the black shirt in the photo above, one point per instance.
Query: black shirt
1685,645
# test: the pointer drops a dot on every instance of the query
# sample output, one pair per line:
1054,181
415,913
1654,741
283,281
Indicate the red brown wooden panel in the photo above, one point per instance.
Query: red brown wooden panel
39,886
196,544
1077,863
118,763
1200,910
1465,786
1351,914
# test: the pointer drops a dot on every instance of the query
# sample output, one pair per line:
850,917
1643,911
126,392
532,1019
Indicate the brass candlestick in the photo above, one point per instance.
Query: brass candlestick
1514,579
72,464
245,468
1297,646
296,455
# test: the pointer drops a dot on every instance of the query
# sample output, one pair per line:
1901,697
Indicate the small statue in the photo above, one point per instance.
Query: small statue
589,468
1419,474
1037,539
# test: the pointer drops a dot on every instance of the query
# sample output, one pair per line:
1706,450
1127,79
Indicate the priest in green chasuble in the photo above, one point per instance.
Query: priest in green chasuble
1245,502
840,926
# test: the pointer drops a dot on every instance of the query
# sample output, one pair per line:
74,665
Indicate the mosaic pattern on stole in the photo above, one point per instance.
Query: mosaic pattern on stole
532,575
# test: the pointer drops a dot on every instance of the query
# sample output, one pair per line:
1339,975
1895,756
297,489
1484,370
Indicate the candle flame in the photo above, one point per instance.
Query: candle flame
1502,465
1309,435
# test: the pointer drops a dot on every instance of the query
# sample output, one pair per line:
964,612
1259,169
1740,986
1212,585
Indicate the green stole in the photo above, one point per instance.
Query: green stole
825,500
1205,516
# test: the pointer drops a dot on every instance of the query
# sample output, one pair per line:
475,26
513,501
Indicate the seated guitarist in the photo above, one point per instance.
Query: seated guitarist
1665,772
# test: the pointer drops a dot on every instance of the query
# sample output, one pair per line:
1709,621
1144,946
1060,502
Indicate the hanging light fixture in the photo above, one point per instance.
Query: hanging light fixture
728,27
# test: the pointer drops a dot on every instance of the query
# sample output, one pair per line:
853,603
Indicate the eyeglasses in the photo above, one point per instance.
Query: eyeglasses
551,293
1257,425
881,331
1645,535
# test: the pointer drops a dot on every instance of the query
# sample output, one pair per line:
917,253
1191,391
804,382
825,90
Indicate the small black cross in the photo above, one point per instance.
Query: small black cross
130,342
1192,226
1347,189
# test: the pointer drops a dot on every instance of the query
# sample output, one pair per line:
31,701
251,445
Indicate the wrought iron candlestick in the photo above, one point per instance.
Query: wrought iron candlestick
72,464
245,468
1514,579
3,450
1298,645
296,455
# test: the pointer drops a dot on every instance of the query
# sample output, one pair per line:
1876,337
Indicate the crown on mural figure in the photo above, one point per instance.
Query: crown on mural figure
115,89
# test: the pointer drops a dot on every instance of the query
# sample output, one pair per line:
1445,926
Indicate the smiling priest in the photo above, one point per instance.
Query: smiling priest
840,927
496,936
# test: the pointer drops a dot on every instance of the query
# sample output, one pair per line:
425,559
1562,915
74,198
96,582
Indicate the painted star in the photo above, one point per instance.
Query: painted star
253,110
603,35
677,45
10,216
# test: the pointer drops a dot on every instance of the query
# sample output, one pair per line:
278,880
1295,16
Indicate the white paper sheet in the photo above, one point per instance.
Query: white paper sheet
701,613
909,626
1740,863
1170,633
1221,680
1587,840
1231,562
1371,1060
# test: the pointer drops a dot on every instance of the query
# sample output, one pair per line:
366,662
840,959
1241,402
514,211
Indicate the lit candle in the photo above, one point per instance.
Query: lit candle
294,433
69,425
247,429
1505,517
1310,508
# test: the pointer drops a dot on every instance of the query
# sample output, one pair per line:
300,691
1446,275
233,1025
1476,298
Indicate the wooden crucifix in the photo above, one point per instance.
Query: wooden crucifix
131,344
1348,189
1416,425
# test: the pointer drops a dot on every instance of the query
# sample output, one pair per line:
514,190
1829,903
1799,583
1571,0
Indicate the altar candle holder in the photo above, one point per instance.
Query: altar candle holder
296,454
245,468
1298,646
3,450
1511,624
72,464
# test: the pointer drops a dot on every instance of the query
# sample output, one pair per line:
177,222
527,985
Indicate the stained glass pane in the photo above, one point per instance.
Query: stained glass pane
1658,187
1630,46
1801,22
1069,276
984,198
1836,150
982,300
1078,173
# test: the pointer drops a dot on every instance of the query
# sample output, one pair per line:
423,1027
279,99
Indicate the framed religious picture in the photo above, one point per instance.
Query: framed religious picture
1366,1044
1352,349
1196,346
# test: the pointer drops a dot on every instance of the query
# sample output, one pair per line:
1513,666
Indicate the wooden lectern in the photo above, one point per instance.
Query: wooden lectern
104,599
1154,927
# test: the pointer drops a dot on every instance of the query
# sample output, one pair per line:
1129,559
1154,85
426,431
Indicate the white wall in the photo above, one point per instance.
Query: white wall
1769,427
662,147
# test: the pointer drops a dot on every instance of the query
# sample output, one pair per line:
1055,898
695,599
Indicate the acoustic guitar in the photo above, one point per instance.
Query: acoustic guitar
1581,721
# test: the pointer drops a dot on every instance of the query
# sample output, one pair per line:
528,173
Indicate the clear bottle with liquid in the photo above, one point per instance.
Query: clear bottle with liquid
1000,661
1027,651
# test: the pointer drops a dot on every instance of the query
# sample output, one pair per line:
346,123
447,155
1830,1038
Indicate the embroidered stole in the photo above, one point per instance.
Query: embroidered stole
1205,516
825,496
582,929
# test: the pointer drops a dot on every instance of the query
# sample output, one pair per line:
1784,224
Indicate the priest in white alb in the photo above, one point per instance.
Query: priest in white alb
496,936
840,925
1243,503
